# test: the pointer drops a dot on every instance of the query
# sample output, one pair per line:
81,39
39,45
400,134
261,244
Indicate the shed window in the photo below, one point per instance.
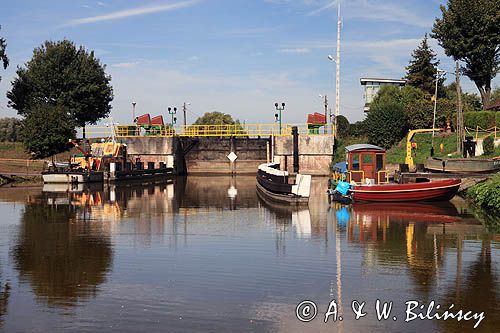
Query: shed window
380,161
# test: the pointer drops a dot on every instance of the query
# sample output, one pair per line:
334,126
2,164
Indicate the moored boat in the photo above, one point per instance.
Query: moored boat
462,165
365,178
440,190
273,184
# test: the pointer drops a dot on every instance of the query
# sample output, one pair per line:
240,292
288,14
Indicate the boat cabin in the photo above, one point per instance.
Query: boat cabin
365,164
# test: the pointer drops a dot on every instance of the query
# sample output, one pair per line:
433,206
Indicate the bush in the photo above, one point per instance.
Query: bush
386,123
483,119
488,145
497,119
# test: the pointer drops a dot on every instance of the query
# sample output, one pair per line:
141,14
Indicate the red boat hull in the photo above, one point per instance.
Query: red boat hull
441,190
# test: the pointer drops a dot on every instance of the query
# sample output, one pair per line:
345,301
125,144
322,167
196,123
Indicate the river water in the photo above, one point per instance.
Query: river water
203,254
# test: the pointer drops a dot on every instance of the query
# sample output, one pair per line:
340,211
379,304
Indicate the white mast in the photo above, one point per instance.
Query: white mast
337,76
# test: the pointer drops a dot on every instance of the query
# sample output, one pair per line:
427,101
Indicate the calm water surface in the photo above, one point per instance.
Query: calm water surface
207,255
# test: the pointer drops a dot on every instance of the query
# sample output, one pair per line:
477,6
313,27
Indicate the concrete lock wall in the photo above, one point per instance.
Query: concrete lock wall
150,149
315,153
209,155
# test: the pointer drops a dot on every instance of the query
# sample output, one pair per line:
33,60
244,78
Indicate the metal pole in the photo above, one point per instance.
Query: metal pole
133,111
460,125
435,106
337,77
326,110
280,119
184,110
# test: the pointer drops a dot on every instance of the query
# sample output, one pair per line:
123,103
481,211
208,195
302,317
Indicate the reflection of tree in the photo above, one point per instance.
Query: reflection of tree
63,259
4,300
478,292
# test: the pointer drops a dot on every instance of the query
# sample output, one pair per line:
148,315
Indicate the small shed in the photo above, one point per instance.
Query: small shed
366,161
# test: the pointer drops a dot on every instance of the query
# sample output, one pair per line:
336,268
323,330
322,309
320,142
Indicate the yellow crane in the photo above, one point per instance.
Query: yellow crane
411,134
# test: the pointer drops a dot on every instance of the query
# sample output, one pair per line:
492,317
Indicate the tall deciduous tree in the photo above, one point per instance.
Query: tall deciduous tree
469,31
421,72
3,56
215,118
47,130
61,74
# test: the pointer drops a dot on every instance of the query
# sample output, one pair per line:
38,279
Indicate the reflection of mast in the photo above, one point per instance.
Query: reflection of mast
339,273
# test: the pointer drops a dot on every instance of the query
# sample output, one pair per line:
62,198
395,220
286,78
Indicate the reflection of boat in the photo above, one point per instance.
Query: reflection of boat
440,190
273,184
462,164
439,212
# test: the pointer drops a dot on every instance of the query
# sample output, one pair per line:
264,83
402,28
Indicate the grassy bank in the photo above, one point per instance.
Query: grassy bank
486,194
486,197
397,153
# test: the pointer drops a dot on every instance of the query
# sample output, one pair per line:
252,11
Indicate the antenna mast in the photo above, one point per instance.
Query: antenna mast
337,76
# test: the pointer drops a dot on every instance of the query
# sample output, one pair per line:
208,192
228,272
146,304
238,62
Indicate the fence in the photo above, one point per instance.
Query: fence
222,130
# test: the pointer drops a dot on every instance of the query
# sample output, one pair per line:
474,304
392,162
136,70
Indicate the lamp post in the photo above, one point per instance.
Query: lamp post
184,109
326,110
133,110
439,72
172,112
279,108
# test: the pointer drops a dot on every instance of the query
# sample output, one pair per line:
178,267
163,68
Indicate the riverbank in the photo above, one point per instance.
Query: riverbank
486,196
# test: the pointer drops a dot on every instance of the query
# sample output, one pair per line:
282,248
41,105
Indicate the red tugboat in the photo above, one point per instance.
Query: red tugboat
365,172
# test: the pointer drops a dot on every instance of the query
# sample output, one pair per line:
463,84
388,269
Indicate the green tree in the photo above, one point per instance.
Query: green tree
47,130
469,31
470,101
495,95
10,129
215,118
342,126
3,55
61,74
488,145
421,72
386,122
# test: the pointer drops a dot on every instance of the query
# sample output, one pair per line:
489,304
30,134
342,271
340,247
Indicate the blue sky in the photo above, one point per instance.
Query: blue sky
232,56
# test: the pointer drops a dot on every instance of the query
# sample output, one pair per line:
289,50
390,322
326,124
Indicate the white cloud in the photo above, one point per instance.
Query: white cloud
298,50
125,65
132,12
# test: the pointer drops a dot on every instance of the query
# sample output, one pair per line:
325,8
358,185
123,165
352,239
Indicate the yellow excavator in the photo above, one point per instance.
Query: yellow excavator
412,145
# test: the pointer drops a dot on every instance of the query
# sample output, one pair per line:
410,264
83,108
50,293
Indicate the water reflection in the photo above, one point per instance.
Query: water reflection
210,251
65,260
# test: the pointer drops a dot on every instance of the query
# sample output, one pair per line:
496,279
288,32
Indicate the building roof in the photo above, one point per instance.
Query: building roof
364,80
363,146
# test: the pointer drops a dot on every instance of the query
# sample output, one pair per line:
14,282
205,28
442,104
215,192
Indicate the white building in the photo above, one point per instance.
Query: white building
372,86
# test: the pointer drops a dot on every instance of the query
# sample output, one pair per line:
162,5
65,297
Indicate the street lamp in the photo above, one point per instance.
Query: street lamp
172,111
133,110
326,109
279,108
184,109
439,72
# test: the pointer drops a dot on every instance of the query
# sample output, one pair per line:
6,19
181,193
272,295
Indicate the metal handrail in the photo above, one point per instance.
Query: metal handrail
220,130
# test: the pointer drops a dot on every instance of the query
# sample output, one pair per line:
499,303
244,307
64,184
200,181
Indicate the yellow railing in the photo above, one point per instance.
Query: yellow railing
350,175
234,130
480,132
386,180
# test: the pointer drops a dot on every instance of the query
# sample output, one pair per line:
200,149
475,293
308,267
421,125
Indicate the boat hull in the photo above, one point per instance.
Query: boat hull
441,190
287,199
74,177
462,165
